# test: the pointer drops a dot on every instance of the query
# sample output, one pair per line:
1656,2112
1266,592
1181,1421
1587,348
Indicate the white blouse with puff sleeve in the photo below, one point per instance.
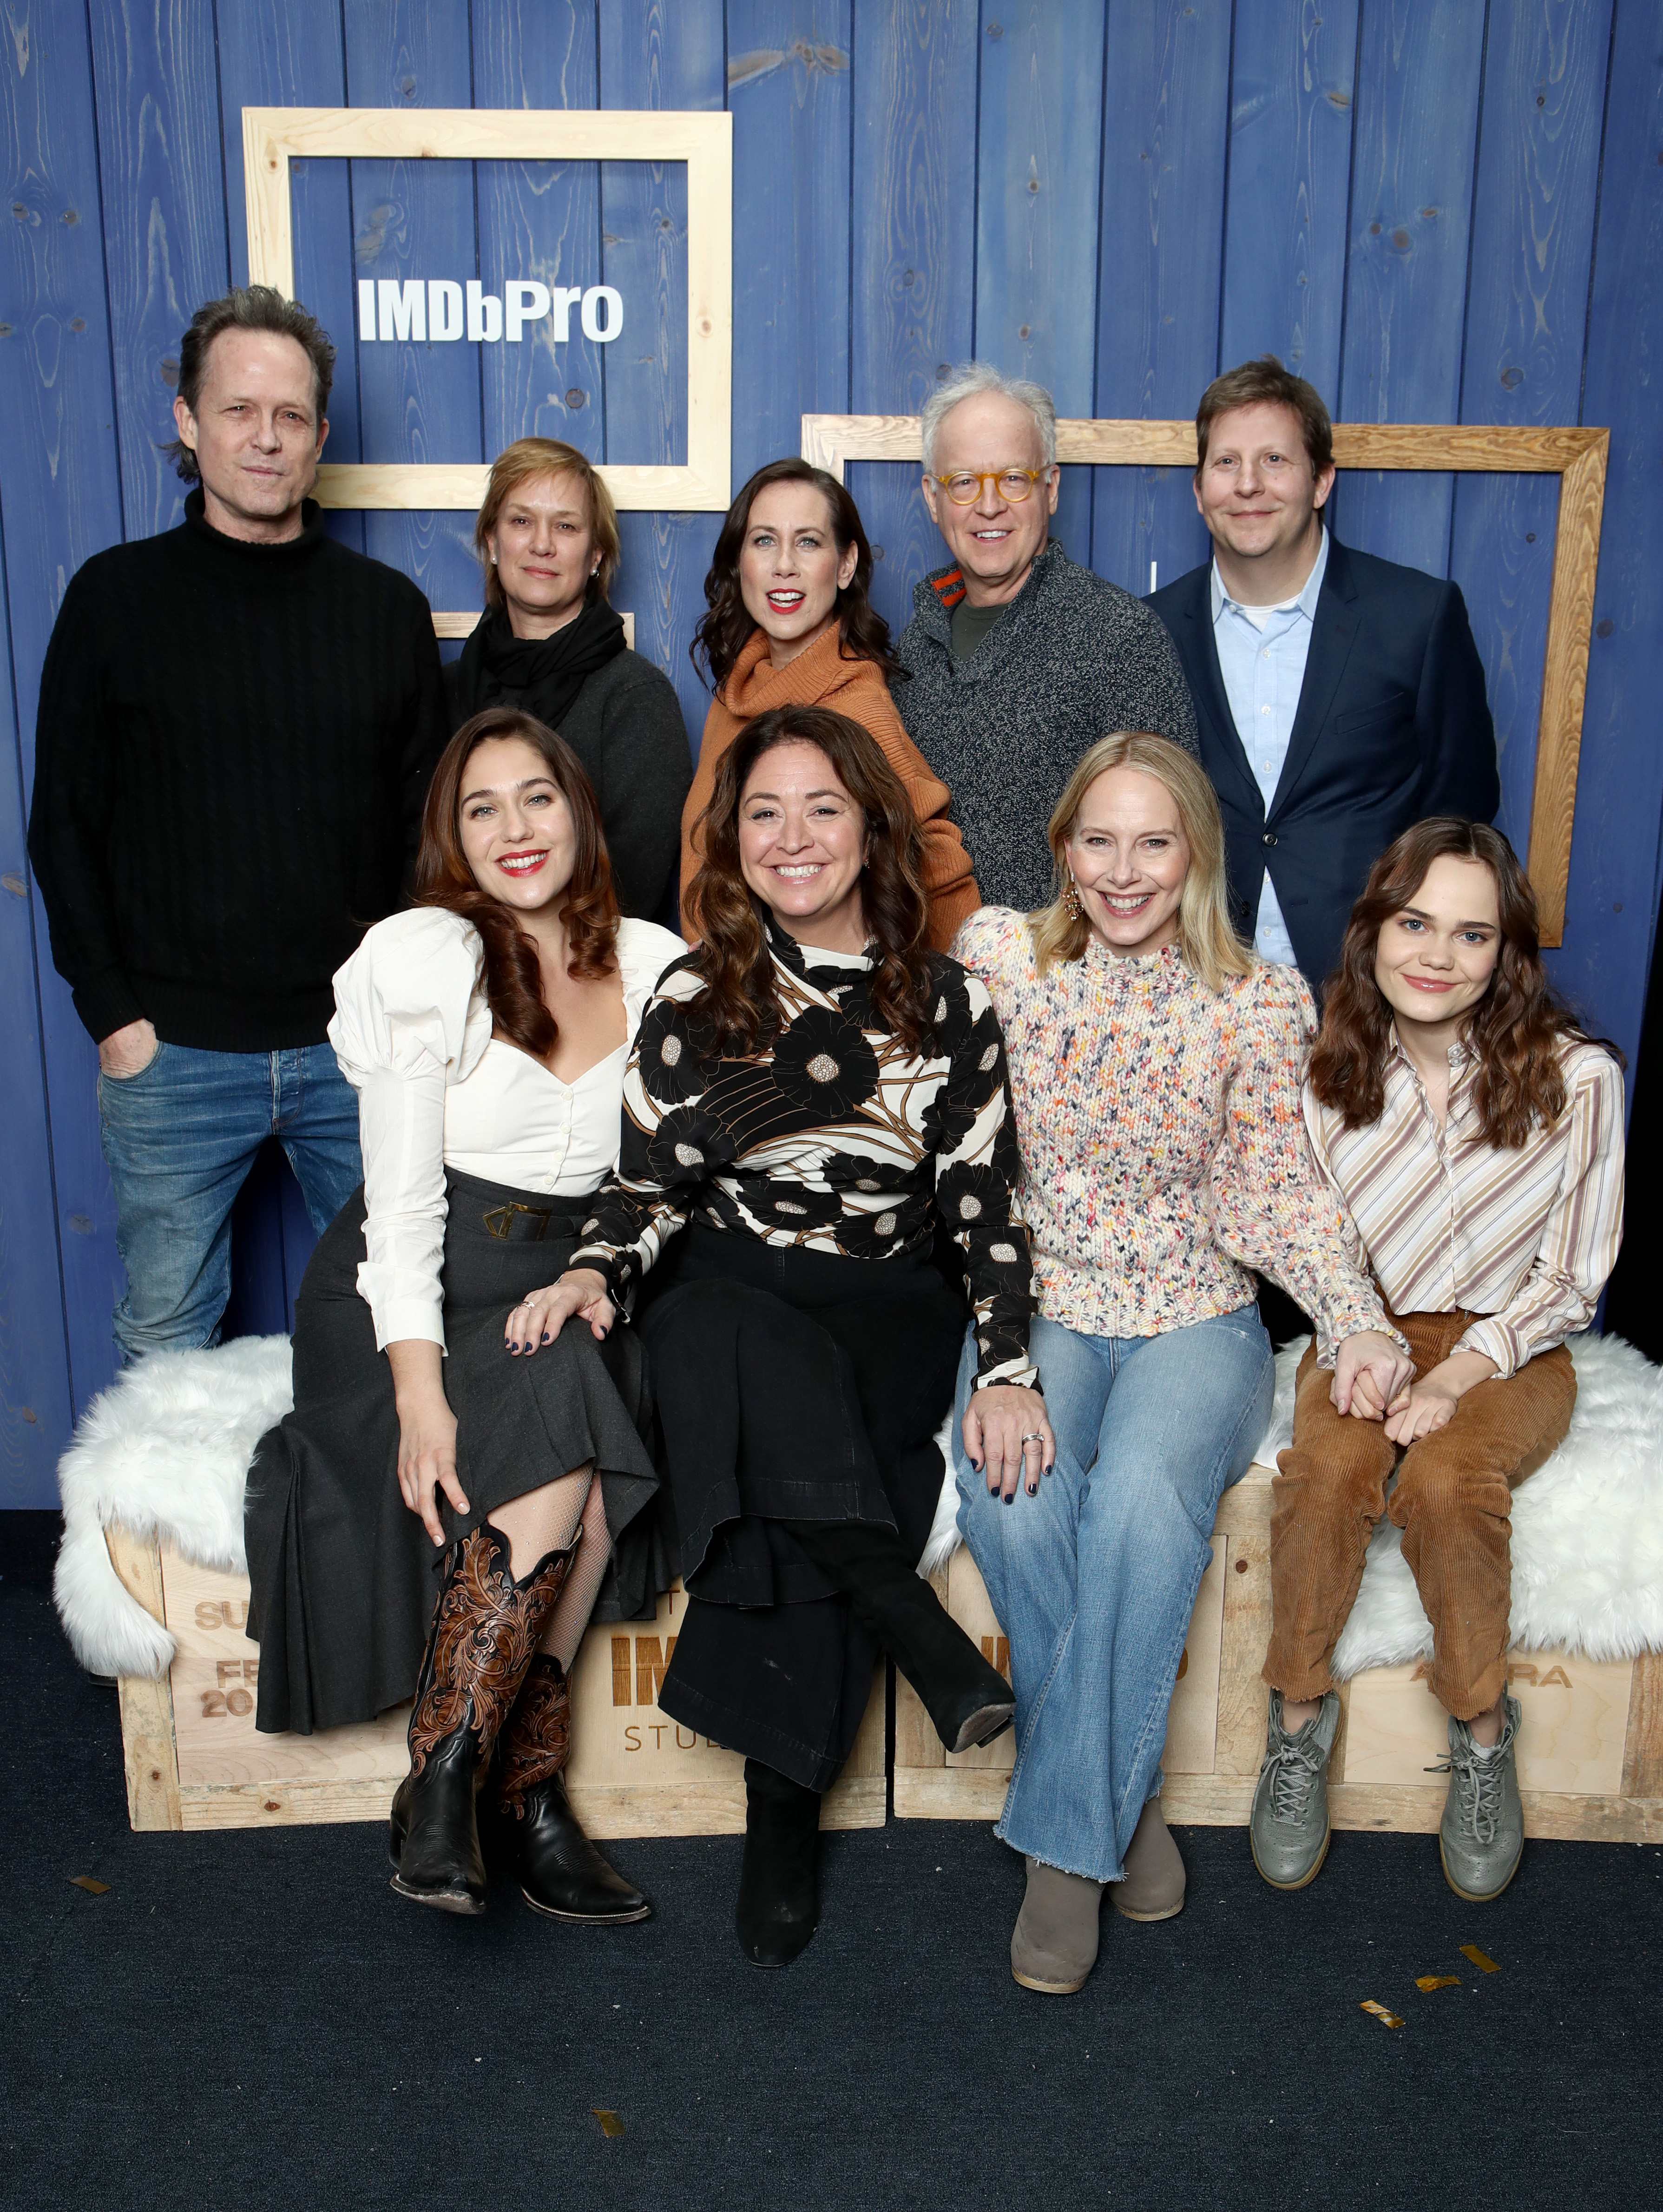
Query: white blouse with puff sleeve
412,1033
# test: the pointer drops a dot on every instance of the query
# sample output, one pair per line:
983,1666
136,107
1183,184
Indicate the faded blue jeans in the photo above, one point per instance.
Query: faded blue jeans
1094,1579
180,1137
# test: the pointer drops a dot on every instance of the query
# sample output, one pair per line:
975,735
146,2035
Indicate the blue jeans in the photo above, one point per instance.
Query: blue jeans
1094,1580
180,1137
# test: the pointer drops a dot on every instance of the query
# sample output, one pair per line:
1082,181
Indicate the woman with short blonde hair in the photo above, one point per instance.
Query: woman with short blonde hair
549,644
1155,1066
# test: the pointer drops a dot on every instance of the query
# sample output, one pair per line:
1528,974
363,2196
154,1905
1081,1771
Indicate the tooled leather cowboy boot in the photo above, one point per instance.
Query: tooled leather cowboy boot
483,1638
527,1825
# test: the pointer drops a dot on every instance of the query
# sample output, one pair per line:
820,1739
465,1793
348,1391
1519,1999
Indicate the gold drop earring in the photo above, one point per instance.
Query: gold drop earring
1071,900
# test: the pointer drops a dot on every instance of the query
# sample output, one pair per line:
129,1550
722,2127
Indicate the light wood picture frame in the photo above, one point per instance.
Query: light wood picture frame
1577,456
273,136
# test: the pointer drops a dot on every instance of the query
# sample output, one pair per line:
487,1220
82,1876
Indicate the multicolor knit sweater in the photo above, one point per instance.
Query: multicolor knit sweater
1163,1148
1071,658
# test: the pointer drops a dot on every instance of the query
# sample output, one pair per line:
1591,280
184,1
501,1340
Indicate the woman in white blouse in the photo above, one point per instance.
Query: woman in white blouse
438,1514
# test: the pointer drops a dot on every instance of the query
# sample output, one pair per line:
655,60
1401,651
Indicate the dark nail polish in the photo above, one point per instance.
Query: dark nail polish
1032,1489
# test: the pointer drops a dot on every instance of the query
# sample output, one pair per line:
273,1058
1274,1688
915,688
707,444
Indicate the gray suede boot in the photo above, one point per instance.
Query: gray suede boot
1053,1945
1289,1825
1484,1822
1154,1885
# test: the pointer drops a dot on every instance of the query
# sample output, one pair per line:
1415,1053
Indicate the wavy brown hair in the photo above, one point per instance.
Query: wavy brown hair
738,1009
1517,1031
723,631
512,983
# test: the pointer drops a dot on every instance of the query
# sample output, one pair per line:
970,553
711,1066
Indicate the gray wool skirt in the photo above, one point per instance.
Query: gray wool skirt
343,1577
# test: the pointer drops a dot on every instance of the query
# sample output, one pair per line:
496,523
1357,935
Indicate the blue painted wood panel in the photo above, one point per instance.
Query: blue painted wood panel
59,501
1039,147
1614,853
1292,86
1526,317
656,53
913,253
1159,264
1411,198
1437,210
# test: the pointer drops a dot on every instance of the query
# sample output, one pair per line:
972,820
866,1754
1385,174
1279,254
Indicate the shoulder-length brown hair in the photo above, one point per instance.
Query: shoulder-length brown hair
1208,946
1518,1030
723,629
739,1008
512,984
522,463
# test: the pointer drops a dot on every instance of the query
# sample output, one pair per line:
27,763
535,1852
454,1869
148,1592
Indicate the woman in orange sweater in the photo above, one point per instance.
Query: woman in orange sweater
790,625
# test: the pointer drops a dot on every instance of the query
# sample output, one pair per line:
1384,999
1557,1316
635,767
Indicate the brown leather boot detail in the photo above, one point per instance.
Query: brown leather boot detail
528,1825
1154,1885
537,1740
484,1637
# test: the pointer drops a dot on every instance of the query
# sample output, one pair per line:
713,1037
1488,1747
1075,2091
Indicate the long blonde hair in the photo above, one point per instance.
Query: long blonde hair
1209,947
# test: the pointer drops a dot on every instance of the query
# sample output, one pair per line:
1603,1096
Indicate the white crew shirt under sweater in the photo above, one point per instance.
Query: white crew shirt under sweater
412,1033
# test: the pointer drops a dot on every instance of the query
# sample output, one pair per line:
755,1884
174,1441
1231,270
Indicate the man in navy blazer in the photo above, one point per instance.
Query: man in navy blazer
1340,698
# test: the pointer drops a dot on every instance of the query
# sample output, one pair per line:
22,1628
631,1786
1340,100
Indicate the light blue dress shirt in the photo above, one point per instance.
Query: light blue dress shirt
1261,657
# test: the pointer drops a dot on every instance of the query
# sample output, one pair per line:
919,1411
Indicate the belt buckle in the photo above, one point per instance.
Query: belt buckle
500,1220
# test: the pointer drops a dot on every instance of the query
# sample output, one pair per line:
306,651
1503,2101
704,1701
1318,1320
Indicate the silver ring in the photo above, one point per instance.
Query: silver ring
1034,1436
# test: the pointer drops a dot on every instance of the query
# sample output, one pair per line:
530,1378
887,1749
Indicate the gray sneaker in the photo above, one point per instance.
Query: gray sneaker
1483,1823
1289,1825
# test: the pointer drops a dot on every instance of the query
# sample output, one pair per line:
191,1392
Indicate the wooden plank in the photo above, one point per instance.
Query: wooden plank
1615,850
655,55
913,253
1291,110
59,501
788,87
419,403
288,53
541,220
1643,1752
162,187
1160,260
147,1705
1242,1697
1526,311
1412,209
1038,143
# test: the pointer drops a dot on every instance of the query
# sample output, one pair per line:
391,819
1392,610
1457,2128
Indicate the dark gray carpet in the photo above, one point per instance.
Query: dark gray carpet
254,2020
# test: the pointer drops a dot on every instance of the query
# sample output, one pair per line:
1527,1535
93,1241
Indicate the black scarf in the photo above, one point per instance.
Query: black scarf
542,675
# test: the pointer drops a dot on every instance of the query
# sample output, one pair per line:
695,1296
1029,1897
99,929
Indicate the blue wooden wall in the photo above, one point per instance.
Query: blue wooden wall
1437,209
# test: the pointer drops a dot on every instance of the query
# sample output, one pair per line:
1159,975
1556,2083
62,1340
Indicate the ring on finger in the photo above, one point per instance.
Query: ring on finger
1034,1436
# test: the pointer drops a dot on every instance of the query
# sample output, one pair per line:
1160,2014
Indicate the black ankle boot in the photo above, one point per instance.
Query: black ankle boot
483,1637
969,1700
527,1825
778,1906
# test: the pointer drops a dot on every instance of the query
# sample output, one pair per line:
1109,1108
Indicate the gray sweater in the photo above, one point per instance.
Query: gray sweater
1071,658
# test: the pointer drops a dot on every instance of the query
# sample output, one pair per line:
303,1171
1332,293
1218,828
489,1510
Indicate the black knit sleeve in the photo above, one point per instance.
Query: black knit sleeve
69,818
430,725
977,1168
647,769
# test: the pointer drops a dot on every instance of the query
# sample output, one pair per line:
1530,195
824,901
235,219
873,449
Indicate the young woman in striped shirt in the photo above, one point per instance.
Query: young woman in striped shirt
1474,1134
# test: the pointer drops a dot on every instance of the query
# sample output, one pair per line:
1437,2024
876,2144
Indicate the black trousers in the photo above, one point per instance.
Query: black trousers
792,1387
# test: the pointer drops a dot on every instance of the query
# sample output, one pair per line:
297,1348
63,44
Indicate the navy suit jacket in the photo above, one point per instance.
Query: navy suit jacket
1393,725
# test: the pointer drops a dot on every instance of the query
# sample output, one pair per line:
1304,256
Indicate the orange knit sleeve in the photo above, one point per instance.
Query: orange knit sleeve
720,729
949,878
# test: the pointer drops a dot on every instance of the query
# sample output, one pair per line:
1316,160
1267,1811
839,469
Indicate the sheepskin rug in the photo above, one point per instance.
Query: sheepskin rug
1587,1527
164,1451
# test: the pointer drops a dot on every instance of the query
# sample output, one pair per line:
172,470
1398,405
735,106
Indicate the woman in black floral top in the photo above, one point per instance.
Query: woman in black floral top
812,1091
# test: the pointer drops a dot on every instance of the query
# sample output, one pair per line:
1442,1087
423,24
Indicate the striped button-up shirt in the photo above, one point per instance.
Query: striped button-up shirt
1525,1239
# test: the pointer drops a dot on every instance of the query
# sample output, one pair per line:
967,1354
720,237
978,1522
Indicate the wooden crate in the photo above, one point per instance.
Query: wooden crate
194,1758
1590,1751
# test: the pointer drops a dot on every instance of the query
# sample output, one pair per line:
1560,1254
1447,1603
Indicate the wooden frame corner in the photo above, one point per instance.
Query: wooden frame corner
272,137
1577,456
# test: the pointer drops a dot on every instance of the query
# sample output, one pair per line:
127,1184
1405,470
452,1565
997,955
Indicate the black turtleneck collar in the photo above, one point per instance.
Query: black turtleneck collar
285,549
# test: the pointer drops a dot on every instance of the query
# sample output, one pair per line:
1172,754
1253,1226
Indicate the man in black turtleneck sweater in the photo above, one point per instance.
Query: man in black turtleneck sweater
238,720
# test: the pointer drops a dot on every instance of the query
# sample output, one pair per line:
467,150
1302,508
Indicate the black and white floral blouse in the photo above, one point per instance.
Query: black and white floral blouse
836,1139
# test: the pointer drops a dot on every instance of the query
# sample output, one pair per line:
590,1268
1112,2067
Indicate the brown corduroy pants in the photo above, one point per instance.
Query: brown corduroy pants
1453,1501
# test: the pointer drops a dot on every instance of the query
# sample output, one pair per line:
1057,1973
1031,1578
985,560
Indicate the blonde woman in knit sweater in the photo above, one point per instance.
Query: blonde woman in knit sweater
1155,1066
789,624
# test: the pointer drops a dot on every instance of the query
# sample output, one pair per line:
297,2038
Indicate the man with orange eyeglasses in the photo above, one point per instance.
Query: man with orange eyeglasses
1019,658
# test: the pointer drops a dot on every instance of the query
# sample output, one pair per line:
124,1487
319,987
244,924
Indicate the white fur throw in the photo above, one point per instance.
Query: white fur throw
165,1451
1587,1527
